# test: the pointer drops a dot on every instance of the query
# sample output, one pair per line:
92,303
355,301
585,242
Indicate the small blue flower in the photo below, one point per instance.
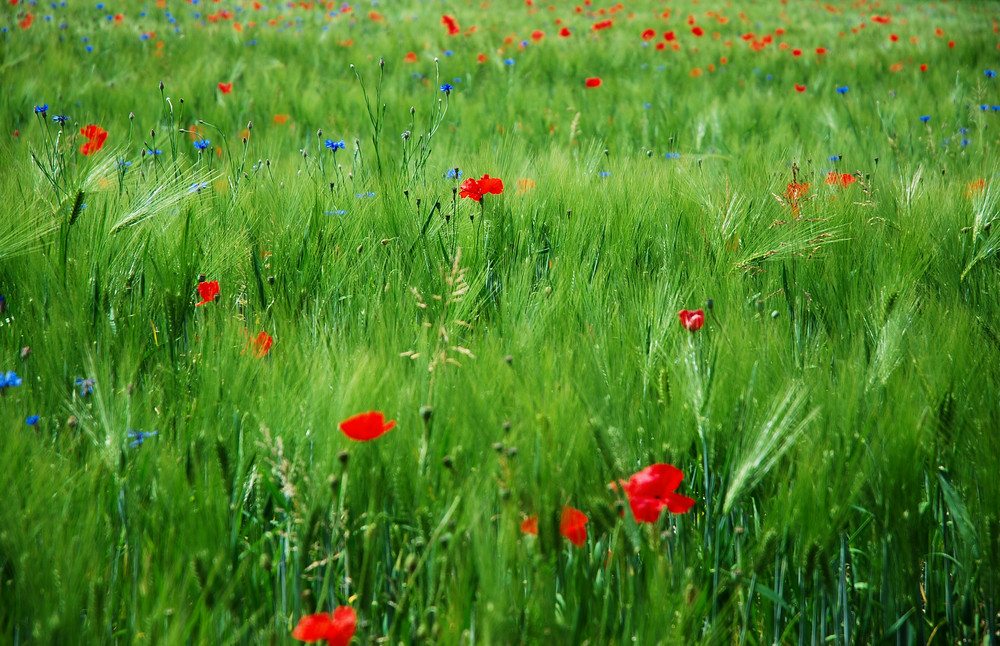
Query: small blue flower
86,386
9,380
334,145
843,89
508,61
448,52
995,108
89,48
454,173
31,420
605,173
365,195
769,77
673,155
965,142
202,144
196,187
60,118
123,164
337,212
963,131
984,108
42,109
925,118
154,151
989,73
137,438
447,88
647,105
835,158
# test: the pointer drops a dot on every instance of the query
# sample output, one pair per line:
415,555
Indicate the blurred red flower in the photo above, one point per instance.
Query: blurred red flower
337,629
95,136
226,88
652,489
564,32
844,179
800,88
262,344
592,82
366,426
648,34
451,24
530,526
208,291
692,319
572,525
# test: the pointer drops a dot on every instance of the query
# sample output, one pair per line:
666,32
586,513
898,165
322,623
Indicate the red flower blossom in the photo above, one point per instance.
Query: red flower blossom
226,88
800,88
669,36
95,136
648,34
692,319
470,189
489,184
208,291
481,58
893,37
592,82
366,426
410,58
923,67
537,35
844,179
652,489
603,24
337,630
698,31
882,20
795,190
451,24
796,52
572,525
564,32
530,526
262,344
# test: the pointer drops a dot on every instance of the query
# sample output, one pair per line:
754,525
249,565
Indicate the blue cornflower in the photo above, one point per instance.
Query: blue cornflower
368,194
769,77
996,108
31,420
647,105
89,48
202,144
524,44
989,73
447,88
9,380
673,155
60,118
605,173
925,118
984,108
453,173
508,61
835,158
42,109
154,151
337,212
196,187
843,89
144,36
334,145
86,386
138,436
123,164
965,142
448,52
963,131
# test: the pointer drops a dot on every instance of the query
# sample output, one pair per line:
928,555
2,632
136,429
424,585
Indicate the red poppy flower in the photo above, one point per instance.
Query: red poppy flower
795,190
652,489
226,88
208,291
669,36
800,88
262,344
796,52
882,20
481,58
410,58
844,179
592,82
821,50
923,67
489,184
530,526
366,426
337,629
564,32
95,136
648,34
692,319
572,525
537,35
451,24
698,31
470,188
893,37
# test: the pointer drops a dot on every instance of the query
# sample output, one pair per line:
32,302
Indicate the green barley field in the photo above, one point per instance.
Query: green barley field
230,230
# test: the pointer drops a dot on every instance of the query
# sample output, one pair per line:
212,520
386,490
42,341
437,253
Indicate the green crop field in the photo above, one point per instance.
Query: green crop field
380,323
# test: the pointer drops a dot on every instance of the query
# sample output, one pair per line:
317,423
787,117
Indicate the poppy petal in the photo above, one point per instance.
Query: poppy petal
366,426
313,628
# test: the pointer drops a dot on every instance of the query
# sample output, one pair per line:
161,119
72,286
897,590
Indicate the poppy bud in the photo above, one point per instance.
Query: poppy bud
425,413
343,456
709,304
509,359
498,447
506,427
512,452
152,133
270,280
201,278
360,248
249,125
568,213
334,483
161,86
319,133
